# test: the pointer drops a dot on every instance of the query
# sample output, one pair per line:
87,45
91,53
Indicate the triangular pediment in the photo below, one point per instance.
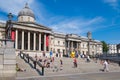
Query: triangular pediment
33,25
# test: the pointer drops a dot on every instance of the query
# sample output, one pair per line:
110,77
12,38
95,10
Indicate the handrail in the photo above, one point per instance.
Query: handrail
27,58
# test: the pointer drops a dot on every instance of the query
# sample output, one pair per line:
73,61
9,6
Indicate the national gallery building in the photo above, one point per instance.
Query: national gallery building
31,37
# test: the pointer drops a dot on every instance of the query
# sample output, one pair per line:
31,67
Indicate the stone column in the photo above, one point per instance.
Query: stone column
68,44
89,47
96,48
44,42
16,39
68,51
72,45
40,42
34,41
22,40
28,40
76,47
80,47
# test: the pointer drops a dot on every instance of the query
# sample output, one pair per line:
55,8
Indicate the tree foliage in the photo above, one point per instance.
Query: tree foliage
105,47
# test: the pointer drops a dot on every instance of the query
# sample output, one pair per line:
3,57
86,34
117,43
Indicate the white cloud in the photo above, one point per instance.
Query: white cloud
13,6
77,26
113,3
2,21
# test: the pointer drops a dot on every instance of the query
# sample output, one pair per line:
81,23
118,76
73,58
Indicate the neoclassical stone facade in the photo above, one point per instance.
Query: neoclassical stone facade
65,43
31,37
112,48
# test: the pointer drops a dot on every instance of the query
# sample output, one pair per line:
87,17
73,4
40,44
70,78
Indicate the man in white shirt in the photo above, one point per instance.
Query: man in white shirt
105,64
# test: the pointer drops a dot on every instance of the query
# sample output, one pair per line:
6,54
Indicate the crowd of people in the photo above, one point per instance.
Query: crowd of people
49,62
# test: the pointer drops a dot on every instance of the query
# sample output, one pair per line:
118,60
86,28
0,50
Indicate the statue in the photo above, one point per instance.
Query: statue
9,26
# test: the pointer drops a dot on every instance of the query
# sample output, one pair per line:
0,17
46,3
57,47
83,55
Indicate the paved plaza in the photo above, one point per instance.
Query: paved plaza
79,76
84,71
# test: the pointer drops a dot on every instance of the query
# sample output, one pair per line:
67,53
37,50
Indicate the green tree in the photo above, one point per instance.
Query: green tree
105,47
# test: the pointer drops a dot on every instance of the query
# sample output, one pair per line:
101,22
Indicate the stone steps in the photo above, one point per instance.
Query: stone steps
83,67
30,71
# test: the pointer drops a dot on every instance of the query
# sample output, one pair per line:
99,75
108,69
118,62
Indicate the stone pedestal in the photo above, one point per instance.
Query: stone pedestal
7,61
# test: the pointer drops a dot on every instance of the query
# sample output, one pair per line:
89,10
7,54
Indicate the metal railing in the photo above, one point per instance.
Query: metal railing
28,58
111,57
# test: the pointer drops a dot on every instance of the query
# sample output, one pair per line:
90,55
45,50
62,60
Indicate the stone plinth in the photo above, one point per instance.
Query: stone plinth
1,61
8,60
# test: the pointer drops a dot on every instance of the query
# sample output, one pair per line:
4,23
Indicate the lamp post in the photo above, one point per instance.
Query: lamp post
9,26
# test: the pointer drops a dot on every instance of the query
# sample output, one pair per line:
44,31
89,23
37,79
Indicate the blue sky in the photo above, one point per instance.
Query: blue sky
101,17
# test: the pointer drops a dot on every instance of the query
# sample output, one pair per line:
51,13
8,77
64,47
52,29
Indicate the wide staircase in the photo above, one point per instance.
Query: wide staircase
67,68
29,70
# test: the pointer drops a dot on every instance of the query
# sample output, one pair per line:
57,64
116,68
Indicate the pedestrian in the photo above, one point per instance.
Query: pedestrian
36,57
56,54
51,53
19,69
96,57
75,62
34,62
40,59
83,56
61,64
105,66
88,58
43,54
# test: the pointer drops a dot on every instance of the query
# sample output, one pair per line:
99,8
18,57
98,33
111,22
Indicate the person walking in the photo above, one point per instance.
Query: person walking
75,62
51,53
88,58
105,68
61,64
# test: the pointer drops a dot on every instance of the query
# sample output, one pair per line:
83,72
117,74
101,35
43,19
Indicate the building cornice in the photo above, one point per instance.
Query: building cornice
33,25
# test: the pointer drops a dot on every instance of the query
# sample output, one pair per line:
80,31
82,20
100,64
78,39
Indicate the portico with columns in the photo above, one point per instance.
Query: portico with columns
73,43
28,35
27,40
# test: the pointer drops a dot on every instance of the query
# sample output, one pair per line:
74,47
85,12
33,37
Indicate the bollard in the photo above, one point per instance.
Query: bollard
42,70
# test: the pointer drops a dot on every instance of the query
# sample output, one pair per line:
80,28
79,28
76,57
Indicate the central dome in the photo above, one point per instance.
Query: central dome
26,11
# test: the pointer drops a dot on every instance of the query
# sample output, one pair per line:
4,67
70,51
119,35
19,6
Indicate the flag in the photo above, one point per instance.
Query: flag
13,35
